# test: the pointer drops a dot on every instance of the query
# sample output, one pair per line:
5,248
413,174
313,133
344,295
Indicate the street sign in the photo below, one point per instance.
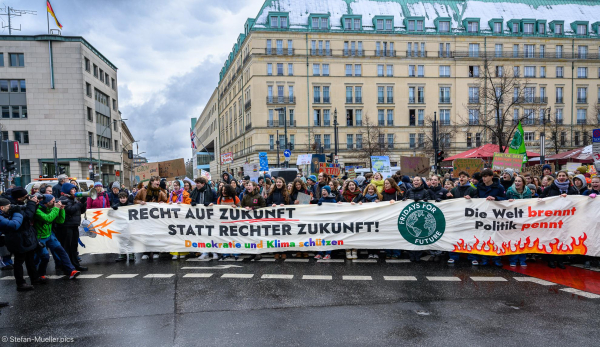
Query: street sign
596,144
596,135
90,167
287,153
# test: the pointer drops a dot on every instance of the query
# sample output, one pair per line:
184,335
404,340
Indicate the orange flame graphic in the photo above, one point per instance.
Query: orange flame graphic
491,248
108,233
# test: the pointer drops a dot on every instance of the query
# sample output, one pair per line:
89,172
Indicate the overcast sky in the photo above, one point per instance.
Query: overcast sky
168,53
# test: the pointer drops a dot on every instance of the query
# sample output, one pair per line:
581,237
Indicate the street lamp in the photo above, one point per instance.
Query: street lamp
335,132
543,137
122,167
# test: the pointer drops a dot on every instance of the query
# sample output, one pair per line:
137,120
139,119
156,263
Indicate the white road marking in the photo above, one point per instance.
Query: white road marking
11,278
392,261
581,293
534,280
122,276
316,277
237,276
489,279
232,259
297,260
330,261
364,260
267,259
217,267
159,276
443,278
279,277
357,278
89,276
399,278
202,275
55,277
196,259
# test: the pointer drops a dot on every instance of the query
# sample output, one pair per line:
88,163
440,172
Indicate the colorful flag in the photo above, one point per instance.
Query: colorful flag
517,145
51,11
192,138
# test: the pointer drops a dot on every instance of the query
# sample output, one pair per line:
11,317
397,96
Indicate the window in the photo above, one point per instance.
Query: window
473,71
88,89
357,70
101,75
469,140
528,50
411,140
559,115
327,141
316,94
444,71
444,117
348,69
444,53
358,95
316,70
325,69
3,135
560,72
473,50
106,79
421,117
116,145
529,71
348,95
380,70
90,117
582,52
390,117
290,94
114,104
349,141
279,45
445,95
559,51
381,117
542,28
3,86
290,47
5,111
497,27
582,72
529,136
279,21
581,115
444,27
558,29
528,28
380,97
581,29
86,64
542,71
390,94
472,27
577,138
290,69
16,60
421,70
22,137
269,69
390,140
358,140
499,71
498,50
113,84
473,117
419,25
581,95
389,70
421,140
516,71
379,24
411,71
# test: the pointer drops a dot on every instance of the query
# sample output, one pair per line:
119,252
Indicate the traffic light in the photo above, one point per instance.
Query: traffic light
291,146
91,176
440,156
130,154
330,157
61,170
10,166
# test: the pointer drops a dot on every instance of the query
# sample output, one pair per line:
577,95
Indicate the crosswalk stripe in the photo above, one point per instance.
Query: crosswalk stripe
534,280
8,278
279,277
89,276
267,259
443,278
316,277
581,293
297,260
237,276
364,260
357,278
399,278
201,275
392,261
159,275
122,276
196,259
488,279
330,261
55,277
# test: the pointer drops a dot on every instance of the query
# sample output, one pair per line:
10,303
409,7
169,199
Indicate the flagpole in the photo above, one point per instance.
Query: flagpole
47,18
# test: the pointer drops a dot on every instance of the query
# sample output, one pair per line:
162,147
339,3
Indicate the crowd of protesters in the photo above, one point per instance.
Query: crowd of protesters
46,219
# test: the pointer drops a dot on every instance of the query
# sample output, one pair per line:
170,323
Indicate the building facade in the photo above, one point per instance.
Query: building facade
206,155
127,140
60,88
384,68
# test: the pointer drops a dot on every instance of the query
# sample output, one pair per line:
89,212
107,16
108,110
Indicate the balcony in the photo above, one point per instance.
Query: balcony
358,100
354,52
416,101
248,104
281,100
380,100
248,126
390,100
416,54
320,52
530,100
582,121
390,122
280,123
444,100
560,100
444,121
445,54
275,51
473,121
381,122
582,100
385,53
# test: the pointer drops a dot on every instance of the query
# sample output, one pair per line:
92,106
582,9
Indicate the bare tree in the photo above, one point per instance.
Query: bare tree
373,142
491,110
189,168
446,134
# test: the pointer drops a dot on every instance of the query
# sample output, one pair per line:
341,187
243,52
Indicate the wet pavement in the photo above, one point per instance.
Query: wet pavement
301,302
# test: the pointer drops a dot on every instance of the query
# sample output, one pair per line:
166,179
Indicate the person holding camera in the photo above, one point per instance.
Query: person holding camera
68,232
20,237
48,213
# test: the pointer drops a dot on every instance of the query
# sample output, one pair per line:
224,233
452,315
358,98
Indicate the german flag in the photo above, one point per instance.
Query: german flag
51,11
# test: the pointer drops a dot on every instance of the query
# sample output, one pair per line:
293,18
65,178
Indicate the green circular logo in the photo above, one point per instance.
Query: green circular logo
421,223
517,140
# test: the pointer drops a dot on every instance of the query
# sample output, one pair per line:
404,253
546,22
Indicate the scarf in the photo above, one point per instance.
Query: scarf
390,191
152,194
349,196
563,187
372,197
179,194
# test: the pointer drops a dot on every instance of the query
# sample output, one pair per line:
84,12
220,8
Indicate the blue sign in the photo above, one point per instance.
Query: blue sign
596,135
263,161
287,153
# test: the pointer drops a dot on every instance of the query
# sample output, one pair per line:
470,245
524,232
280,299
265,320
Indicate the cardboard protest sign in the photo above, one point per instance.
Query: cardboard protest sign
171,168
226,158
469,165
205,174
571,167
415,166
507,161
264,161
252,171
536,170
382,165
303,199
329,169
304,159
351,173
145,171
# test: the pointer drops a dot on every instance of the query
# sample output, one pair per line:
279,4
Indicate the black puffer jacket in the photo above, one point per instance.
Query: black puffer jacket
24,239
419,193
277,198
553,190
438,192
507,184
396,196
464,190
74,208
202,196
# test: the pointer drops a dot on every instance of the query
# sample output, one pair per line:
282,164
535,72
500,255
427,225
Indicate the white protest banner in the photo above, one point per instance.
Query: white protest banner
205,174
304,159
552,226
252,171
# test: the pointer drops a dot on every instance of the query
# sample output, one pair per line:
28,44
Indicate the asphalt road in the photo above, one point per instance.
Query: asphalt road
291,303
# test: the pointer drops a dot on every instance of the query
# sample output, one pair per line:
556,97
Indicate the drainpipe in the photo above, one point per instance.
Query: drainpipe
572,86
307,91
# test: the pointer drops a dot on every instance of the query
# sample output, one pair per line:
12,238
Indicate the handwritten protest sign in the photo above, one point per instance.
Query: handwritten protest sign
330,169
303,199
171,168
304,159
508,161
145,171
226,158
536,170
414,166
351,173
471,166
252,171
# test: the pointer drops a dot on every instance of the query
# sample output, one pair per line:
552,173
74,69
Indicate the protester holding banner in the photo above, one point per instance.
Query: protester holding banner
516,192
436,189
507,179
265,190
68,232
101,201
351,192
580,183
594,190
327,198
371,194
179,196
419,191
202,194
279,195
335,189
377,181
151,193
463,190
298,186
392,192
253,200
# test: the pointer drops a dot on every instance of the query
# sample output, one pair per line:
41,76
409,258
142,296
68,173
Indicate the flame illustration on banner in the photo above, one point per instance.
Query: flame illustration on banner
96,229
555,247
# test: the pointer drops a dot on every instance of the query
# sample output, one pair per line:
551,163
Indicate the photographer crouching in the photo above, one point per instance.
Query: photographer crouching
16,221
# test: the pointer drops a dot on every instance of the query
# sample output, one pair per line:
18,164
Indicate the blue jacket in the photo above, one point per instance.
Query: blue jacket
495,189
590,191
23,238
12,224
329,199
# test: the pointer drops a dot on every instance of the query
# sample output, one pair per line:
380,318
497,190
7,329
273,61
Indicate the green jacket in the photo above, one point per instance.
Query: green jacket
43,219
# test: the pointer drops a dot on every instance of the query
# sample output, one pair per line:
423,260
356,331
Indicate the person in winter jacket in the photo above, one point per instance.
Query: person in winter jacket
407,182
561,186
20,236
547,171
371,194
113,195
419,191
57,187
323,180
101,201
377,181
202,194
311,185
279,195
595,189
326,197
580,183
179,196
463,190
507,178
517,191
298,186
253,199
226,177
48,213
360,181
436,190
351,193
236,186
391,191
68,232
124,200
151,193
